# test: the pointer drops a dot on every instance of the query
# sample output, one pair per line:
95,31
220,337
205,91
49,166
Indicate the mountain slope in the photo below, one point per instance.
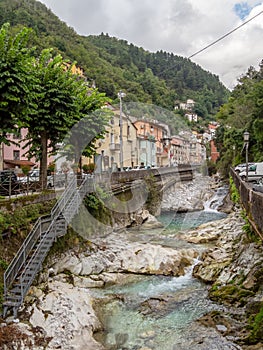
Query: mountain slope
159,78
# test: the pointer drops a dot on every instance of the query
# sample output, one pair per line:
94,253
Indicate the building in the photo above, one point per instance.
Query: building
154,142
179,150
186,106
214,154
14,155
109,149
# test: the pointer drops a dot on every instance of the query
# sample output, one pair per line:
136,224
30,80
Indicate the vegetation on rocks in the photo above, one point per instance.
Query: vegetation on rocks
230,294
256,327
234,194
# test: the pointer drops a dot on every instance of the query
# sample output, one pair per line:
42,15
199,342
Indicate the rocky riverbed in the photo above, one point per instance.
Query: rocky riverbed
59,310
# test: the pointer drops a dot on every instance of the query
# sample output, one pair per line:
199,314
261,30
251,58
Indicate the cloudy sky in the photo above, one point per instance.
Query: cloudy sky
179,26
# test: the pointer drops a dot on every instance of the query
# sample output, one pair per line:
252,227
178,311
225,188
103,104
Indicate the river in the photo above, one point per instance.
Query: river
157,312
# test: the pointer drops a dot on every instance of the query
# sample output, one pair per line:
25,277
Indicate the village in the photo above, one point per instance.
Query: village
129,143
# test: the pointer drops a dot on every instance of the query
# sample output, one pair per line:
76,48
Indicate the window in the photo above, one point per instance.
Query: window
16,155
17,136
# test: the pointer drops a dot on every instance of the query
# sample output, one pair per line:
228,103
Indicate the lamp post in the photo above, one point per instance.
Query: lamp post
246,140
121,95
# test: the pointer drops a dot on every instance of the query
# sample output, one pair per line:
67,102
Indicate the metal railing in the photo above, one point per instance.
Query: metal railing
28,261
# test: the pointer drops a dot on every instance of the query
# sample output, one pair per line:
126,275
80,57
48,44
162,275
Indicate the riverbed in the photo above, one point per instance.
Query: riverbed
157,312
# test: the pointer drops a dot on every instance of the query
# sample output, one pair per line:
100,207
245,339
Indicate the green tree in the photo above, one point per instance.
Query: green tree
90,127
15,79
61,100
55,108
244,111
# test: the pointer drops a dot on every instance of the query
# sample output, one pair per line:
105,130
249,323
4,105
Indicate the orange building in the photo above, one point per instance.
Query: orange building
214,152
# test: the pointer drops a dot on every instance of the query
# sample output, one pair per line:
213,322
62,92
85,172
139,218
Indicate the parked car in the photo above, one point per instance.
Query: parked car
242,167
255,172
258,187
33,176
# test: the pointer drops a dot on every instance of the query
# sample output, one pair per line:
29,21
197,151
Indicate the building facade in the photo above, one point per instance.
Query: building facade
119,139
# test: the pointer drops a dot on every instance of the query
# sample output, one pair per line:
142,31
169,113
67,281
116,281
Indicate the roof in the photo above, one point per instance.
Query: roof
18,162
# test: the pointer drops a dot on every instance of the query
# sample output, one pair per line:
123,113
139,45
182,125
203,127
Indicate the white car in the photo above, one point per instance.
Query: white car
33,176
255,172
242,167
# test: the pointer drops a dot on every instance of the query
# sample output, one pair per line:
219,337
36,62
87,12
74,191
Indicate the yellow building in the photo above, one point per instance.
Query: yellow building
110,148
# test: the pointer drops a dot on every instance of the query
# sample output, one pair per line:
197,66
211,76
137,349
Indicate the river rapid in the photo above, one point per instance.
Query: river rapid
159,312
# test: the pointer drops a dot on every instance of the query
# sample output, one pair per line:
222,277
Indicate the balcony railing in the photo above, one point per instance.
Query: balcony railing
114,146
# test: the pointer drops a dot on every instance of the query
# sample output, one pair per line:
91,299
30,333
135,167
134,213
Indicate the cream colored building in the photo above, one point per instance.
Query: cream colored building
109,148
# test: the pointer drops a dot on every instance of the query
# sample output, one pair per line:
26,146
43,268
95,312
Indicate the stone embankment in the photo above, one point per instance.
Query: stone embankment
188,196
234,269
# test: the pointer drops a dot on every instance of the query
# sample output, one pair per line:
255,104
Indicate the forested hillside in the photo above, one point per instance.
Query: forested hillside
160,78
243,112
178,74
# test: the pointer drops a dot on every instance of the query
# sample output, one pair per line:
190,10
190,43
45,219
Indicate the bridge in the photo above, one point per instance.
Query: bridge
28,261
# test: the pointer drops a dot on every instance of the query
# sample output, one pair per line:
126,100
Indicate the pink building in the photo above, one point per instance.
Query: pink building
14,156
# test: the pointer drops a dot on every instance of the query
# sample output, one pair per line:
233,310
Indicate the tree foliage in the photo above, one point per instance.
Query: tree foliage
243,112
158,78
15,79
43,95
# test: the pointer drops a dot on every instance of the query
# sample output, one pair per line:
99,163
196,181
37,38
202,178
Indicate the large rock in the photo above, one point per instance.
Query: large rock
117,254
184,197
67,316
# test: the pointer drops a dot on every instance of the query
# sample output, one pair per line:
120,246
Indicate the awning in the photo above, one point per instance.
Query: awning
18,162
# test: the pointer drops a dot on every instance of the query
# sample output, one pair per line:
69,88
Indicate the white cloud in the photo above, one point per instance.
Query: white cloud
179,26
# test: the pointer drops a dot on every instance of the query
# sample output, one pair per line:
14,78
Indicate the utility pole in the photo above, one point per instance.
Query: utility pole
121,95
246,140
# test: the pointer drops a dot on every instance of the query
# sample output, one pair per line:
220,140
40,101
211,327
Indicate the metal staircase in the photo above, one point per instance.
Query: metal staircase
28,261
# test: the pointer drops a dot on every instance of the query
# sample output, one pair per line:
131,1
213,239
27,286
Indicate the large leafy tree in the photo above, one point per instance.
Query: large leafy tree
15,79
81,138
60,99
244,111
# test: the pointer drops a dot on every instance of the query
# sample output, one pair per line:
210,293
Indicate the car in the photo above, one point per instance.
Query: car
242,167
33,176
258,187
255,172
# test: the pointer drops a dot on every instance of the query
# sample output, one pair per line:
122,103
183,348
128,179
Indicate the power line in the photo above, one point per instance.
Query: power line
224,36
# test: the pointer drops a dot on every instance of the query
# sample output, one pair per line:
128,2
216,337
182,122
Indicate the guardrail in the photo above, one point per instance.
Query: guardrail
252,202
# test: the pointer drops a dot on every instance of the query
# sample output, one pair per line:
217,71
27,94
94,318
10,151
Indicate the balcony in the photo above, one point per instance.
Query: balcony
114,147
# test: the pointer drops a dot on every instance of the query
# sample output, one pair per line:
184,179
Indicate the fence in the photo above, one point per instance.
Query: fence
252,202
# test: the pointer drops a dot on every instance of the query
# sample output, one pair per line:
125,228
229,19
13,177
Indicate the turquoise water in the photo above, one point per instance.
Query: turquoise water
156,312
174,221
152,312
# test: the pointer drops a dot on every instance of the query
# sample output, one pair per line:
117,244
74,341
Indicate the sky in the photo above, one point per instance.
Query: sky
179,26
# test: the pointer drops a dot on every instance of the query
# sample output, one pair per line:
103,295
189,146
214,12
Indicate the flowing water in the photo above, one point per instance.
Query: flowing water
156,312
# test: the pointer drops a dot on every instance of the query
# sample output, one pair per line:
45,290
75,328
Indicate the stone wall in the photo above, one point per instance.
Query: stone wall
252,202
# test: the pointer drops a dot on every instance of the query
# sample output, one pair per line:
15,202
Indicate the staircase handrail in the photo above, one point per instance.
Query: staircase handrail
72,195
37,254
23,252
86,185
64,199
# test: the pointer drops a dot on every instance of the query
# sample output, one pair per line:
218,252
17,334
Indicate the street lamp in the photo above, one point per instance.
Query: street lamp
121,95
246,140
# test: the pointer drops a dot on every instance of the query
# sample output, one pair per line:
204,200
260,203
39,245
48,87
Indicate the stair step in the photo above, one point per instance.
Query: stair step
14,298
11,303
